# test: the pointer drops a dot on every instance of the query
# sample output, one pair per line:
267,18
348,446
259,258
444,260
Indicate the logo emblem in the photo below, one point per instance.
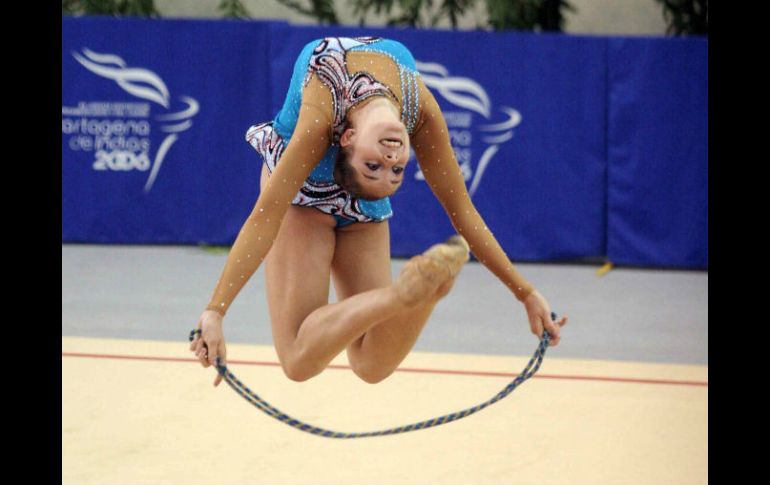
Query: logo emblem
119,133
469,97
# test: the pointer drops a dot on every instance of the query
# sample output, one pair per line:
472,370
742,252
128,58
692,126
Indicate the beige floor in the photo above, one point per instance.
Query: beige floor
160,421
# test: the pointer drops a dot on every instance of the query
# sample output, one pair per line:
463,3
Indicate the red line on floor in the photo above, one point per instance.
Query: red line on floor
405,369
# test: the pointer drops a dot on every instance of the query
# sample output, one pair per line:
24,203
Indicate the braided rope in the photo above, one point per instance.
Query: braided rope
530,370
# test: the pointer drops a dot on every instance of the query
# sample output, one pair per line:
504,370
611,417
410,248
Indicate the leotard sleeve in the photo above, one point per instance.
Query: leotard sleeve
442,172
307,146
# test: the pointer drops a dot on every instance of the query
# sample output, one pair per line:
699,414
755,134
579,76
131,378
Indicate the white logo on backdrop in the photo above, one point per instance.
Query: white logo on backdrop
118,133
468,95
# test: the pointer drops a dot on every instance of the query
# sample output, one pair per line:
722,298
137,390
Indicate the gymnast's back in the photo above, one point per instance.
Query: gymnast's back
379,57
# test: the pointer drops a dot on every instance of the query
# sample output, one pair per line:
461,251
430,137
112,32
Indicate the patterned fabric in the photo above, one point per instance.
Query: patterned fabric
328,62
267,142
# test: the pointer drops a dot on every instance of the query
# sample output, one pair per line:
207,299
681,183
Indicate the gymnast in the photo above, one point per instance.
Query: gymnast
333,155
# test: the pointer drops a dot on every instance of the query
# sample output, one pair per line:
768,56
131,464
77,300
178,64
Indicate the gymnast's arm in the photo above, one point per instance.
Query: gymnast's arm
310,141
442,173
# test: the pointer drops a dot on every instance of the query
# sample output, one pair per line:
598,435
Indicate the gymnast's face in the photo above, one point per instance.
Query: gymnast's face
380,152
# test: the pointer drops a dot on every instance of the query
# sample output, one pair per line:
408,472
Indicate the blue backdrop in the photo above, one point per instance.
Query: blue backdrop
571,146
181,93
658,152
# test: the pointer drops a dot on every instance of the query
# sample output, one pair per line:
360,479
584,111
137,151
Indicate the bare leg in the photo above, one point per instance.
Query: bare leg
376,354
307,331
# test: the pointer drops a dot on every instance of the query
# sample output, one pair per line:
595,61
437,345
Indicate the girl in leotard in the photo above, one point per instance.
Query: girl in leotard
333,155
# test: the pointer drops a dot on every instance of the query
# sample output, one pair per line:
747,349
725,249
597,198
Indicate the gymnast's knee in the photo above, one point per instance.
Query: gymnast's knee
297,373
298,369
371,373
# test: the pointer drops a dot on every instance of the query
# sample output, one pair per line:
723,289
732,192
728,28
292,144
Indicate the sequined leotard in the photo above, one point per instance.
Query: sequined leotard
331,76
326,59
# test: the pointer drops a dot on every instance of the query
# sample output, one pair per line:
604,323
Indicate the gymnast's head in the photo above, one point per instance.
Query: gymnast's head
374,151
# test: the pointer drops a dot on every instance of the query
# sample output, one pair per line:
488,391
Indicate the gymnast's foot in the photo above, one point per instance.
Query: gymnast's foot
435,269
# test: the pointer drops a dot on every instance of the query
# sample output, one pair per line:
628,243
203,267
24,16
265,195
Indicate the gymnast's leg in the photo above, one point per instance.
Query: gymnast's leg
308,332
362,264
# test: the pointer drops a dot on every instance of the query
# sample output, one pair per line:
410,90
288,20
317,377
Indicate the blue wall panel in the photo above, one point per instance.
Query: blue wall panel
658,152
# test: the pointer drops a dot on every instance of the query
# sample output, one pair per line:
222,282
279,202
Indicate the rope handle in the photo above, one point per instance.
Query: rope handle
530,370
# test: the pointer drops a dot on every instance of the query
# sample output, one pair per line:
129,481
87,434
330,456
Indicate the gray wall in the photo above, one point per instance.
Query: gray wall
599,17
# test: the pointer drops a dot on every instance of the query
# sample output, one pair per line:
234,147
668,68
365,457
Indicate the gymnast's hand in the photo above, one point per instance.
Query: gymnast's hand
539,314
210,343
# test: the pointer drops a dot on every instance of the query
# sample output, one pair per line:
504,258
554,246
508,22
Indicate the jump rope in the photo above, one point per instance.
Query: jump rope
239,387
